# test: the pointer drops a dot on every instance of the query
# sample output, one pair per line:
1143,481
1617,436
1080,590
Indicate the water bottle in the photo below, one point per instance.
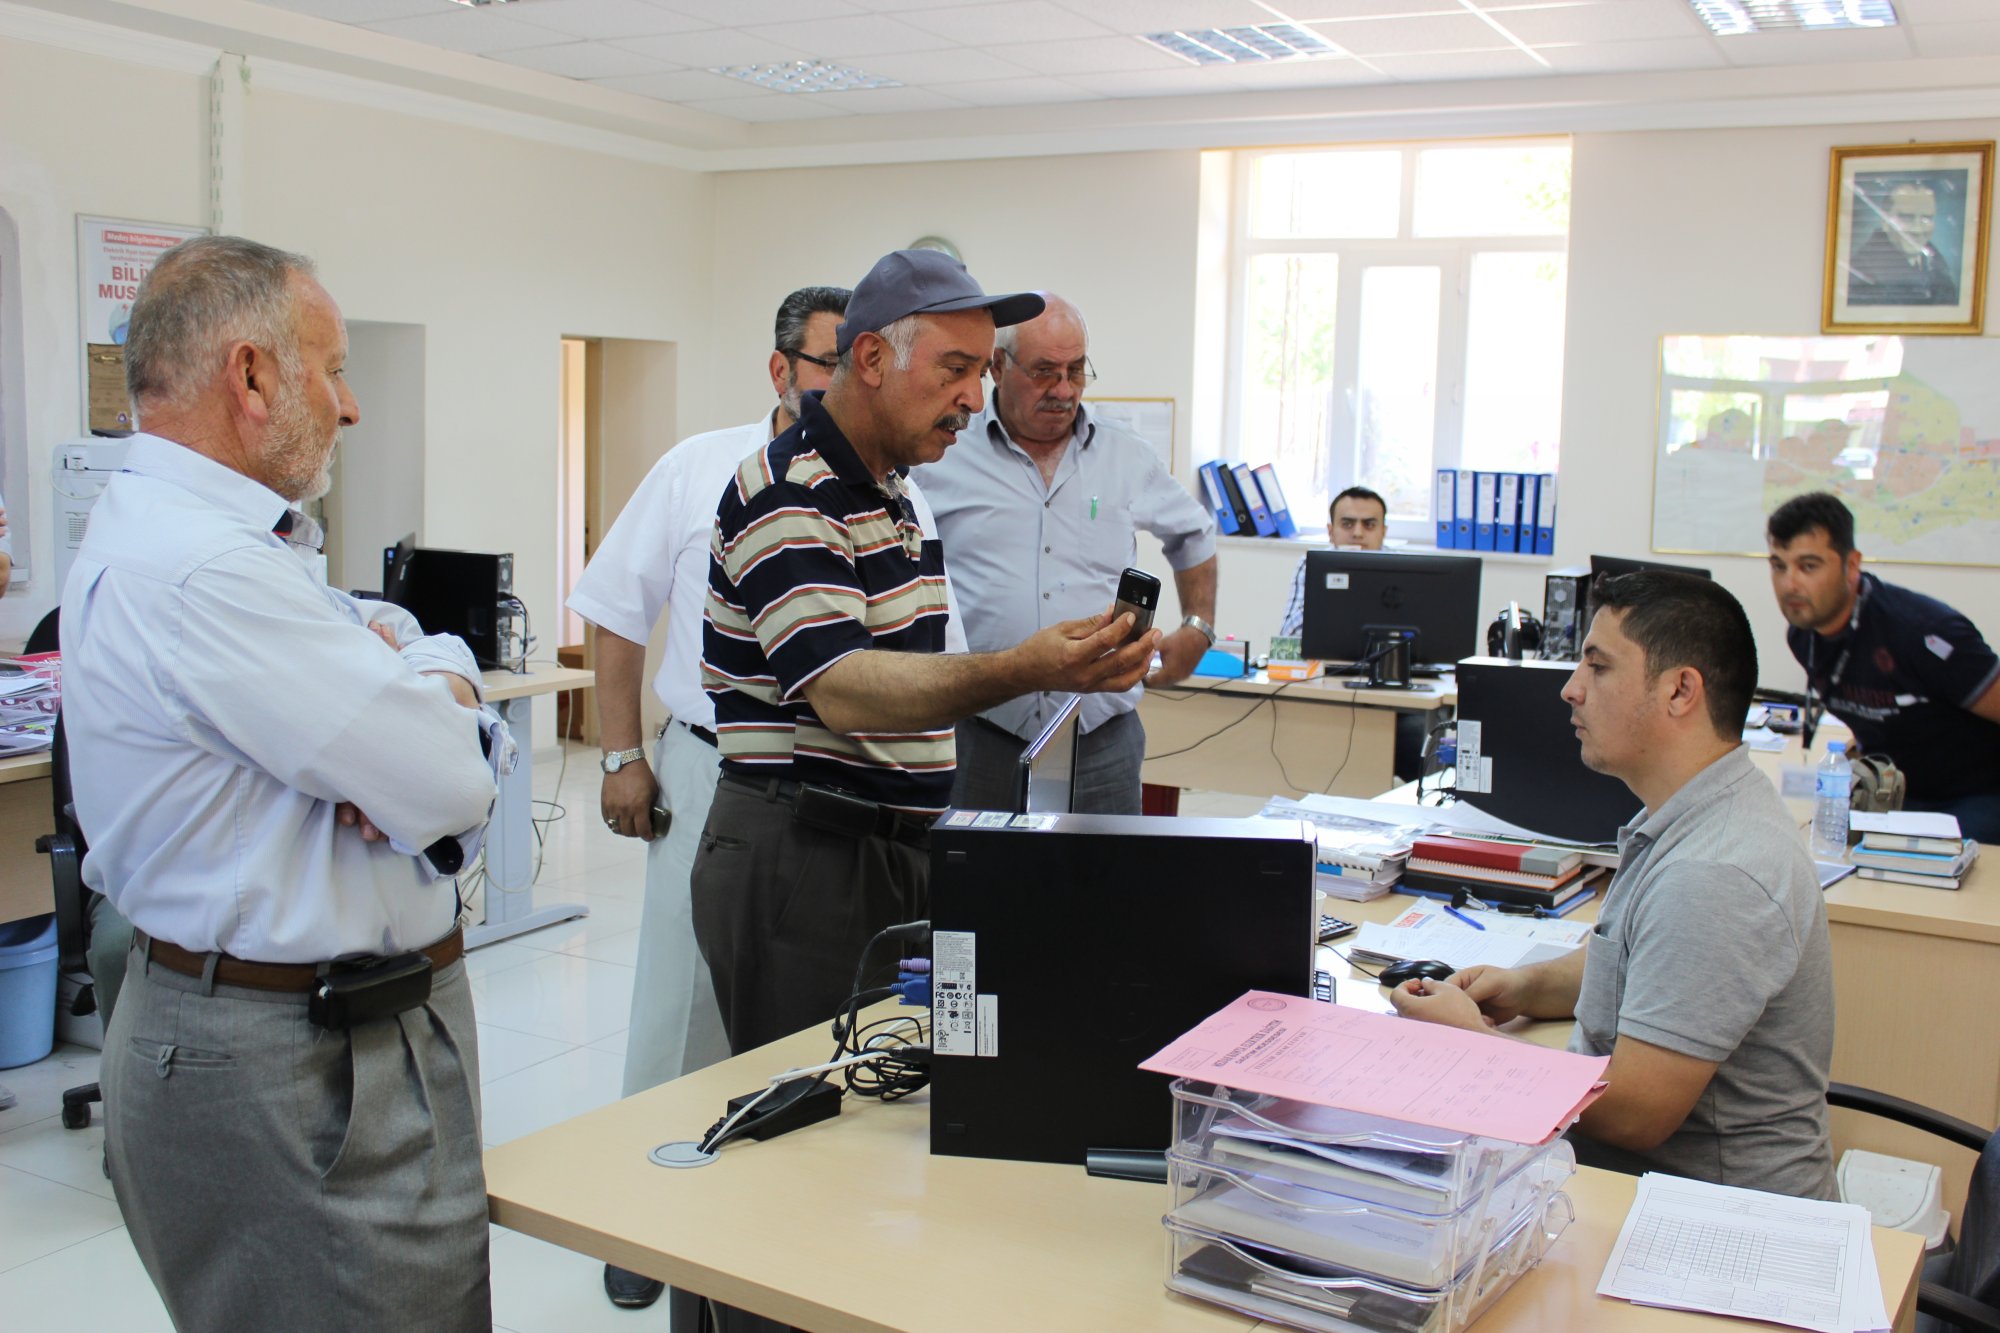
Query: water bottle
1831,783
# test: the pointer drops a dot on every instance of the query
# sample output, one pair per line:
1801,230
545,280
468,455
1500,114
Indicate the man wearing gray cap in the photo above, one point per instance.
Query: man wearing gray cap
823,652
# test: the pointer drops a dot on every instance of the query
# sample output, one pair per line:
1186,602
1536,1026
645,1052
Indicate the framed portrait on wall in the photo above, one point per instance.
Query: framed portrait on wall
1906,229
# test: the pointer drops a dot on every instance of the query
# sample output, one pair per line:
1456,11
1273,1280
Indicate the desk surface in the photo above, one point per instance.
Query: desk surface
539,679
852,1225
24,767
1424,697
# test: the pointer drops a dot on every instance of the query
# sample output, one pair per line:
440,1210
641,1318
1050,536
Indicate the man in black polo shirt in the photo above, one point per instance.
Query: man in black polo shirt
1911,677
823,650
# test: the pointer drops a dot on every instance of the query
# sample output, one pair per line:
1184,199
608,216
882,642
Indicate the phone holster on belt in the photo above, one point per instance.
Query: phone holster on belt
350,994
835,811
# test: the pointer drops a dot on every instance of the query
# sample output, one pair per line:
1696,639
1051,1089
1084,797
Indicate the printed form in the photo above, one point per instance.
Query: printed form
1714,1248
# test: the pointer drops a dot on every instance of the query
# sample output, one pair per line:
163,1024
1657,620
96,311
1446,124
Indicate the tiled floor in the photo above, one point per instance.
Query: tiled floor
552,1009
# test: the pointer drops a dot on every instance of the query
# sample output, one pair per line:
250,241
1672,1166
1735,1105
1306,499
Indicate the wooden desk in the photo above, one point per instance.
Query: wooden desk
851,1226
26,813
1280,737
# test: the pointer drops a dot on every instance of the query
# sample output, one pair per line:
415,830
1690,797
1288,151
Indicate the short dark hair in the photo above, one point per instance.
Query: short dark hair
1356,493
1816,509
1681,620
797,310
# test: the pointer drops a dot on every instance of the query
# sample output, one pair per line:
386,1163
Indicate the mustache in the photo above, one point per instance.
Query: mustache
957,421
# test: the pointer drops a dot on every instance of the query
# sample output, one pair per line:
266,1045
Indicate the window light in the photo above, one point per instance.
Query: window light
1241,46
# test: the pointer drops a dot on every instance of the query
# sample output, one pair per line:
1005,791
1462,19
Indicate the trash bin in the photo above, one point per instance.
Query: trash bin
27,990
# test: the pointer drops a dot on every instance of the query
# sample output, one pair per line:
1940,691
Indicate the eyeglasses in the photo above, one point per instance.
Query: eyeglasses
823,362
1081,374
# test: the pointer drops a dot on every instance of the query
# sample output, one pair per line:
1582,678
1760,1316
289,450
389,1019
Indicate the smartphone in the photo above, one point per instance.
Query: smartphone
662,819
1139,593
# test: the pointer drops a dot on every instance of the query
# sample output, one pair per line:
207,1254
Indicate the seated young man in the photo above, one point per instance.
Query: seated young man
1708,981
1358,518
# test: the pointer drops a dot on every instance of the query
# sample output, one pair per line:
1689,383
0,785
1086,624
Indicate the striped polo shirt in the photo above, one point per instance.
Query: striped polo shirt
811,560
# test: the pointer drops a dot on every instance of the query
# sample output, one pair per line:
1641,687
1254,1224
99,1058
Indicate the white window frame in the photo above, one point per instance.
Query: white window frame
1453,254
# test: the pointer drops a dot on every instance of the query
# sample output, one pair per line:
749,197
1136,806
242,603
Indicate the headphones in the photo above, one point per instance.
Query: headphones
1513,633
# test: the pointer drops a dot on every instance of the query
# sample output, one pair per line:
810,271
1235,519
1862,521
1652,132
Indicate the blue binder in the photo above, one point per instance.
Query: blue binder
1246,486
1444,503
1218,498
1545,515
1507,519
1274,500
1486,504
1524,540
1461,510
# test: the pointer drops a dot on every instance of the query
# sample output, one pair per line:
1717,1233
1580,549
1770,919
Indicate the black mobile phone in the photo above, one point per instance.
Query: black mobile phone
1139,593
662,819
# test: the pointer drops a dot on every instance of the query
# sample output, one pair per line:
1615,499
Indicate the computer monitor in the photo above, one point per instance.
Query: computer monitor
1046,779
1530,766
1613,565
1348,594
396,562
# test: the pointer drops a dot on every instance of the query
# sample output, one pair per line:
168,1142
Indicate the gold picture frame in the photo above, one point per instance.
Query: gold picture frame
1906,237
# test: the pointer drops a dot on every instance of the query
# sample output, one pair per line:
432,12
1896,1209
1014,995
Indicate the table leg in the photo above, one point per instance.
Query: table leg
510,846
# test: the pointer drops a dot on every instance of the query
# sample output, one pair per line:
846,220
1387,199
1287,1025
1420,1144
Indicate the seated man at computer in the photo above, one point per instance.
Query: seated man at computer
1359,518
1910,676
1708,982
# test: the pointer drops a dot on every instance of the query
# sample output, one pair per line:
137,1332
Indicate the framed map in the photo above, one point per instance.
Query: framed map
1905,430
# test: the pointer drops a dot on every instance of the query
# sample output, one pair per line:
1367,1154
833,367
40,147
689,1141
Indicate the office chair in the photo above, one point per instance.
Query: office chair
1960,1290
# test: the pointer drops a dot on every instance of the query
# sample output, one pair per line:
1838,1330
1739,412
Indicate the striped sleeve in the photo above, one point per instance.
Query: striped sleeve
791,566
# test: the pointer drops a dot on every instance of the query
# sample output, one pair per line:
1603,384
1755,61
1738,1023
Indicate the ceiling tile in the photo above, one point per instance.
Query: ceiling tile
849,38
904,6
1597,21
1441,66
768,107
581,60
474,31
363,11
1662,53
1402,36
882,101
678,85
1341,11
742,13
1323,73
1945,11
1089,55
1131,16
599,19
1022,92
1957,39
1187,80
1014,21
1812,48
960,64
714,48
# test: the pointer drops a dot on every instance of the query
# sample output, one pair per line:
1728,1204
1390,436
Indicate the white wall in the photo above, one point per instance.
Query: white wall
378,472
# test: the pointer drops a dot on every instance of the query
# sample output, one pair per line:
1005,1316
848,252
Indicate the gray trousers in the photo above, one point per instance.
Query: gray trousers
1107,767
274,1175
676,1025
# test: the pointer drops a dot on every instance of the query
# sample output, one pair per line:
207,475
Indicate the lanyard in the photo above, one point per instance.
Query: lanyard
1847,649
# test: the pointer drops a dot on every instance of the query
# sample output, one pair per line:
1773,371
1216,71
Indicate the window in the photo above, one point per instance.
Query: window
1394,311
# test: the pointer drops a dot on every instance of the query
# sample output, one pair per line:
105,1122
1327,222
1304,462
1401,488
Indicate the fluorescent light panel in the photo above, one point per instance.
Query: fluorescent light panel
1241,46
806,76
1733,18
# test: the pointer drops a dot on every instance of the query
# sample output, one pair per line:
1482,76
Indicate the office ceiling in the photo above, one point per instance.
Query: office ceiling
949,55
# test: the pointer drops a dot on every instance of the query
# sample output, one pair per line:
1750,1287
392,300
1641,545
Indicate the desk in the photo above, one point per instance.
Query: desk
510,838
1317,733
851,1226
26,813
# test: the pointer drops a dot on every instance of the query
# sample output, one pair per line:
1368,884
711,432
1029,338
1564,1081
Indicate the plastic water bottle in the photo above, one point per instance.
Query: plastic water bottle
1831,784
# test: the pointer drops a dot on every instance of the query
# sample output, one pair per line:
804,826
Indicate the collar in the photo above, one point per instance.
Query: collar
223,487
1711,784
817,430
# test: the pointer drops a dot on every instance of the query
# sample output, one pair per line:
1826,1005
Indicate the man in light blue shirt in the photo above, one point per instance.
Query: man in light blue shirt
1039,506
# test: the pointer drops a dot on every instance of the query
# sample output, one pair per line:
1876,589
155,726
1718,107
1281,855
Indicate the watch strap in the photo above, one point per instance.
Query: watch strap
1206,630
617,759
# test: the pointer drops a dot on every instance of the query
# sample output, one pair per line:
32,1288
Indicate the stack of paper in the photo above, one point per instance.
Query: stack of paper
29,701
1912,847
1714,1248
1428,930
1359,859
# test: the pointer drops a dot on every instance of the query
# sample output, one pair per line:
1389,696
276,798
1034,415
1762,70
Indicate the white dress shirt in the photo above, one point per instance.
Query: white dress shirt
656,558
219,702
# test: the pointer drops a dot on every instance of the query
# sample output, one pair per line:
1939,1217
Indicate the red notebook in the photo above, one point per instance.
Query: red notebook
1519,857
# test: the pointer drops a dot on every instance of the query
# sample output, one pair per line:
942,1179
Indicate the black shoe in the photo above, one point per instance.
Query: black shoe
629,1290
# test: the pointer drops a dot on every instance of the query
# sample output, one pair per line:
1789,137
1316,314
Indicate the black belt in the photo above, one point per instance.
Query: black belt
702,734
837,811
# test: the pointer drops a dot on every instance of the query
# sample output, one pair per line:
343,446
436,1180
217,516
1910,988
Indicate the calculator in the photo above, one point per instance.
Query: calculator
1332,928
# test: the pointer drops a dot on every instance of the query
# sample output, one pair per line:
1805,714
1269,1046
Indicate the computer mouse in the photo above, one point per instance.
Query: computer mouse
1429,969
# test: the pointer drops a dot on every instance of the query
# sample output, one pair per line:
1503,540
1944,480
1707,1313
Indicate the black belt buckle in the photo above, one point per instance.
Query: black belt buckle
835,811
347,995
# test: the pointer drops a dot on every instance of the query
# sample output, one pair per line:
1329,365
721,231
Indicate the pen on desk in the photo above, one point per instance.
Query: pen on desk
1463,917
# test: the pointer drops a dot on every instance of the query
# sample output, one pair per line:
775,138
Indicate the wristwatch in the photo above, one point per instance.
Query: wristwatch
1206,630
617,759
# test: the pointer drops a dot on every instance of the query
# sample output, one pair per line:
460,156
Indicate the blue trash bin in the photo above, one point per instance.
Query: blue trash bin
27,990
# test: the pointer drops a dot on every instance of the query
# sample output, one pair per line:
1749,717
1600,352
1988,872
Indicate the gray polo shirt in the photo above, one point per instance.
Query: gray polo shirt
1712,942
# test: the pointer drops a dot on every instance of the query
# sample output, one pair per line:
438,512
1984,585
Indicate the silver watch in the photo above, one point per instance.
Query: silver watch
617,759
1197,623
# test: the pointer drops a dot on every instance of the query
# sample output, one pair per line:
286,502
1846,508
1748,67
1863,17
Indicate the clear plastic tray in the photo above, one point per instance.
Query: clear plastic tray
1272,1283
1369,1158
1413,1248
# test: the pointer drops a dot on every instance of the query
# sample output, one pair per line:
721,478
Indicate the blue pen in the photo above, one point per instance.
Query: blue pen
1463,917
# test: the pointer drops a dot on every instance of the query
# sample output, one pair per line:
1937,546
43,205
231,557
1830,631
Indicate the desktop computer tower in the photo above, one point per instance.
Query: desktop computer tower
467,593
1565,611
1068,948
1519,758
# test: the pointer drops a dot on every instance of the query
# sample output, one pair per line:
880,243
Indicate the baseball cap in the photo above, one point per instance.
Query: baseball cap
924,282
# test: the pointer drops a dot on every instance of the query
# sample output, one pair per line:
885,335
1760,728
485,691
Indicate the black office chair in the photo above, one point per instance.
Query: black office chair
1959,1290
65,848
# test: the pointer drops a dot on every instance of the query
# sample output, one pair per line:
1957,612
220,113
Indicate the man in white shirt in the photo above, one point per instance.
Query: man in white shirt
276,782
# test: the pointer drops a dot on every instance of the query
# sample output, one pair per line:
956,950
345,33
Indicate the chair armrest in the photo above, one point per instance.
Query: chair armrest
72,914
1948,1127
1965,1312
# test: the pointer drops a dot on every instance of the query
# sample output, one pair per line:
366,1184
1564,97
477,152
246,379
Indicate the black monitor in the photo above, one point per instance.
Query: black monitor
1351,594
396,562
1530,768
1603,566
1045,782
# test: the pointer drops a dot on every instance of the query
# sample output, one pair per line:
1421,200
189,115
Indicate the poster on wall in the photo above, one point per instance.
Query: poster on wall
112,257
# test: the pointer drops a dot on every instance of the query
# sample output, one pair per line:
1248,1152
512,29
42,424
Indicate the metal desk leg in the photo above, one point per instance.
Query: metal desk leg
510,846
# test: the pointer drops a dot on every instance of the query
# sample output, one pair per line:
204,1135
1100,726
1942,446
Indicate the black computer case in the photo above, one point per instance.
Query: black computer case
1538,779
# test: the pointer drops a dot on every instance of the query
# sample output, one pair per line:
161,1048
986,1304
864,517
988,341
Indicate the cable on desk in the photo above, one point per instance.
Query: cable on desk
1372,976
1238,721
1348,753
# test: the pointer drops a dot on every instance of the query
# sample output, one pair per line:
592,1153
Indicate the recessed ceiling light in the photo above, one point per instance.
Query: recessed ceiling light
1733,18
1241,46
806,76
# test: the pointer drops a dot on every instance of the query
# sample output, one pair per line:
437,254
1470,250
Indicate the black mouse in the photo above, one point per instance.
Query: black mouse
1430,970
